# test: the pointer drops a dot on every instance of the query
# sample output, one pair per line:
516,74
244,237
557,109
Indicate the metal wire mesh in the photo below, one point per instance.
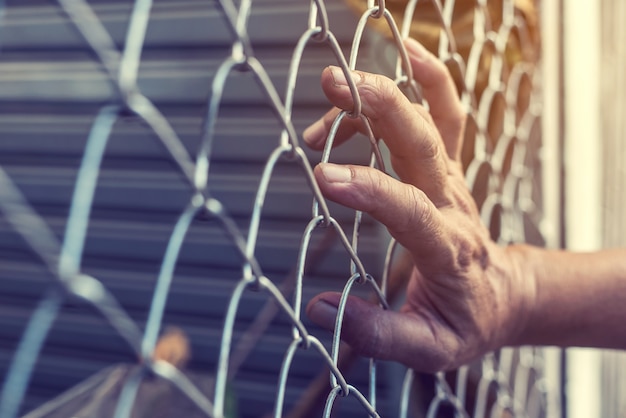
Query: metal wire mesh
501,161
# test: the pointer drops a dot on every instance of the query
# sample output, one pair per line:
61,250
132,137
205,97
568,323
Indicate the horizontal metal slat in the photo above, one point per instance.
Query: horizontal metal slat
242,135
187,80
172,23
288,198
204,244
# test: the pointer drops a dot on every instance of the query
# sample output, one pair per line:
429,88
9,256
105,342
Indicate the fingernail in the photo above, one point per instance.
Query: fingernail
338,76
323,314
416,50
315,133
334,173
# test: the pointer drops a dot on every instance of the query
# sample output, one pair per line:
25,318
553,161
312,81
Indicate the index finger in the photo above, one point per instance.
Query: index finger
438,89
417,151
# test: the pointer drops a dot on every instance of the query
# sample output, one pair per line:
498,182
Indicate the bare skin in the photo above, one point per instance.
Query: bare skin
466,295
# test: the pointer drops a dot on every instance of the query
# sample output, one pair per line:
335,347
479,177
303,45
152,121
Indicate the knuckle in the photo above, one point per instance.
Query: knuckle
380,96
429,147
375,184
381,338
367,331
441,73
458,118
366,340
420,213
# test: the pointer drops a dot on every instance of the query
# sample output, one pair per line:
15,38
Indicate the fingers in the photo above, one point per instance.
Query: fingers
440,92
438,89
315,135
417,153
408,214
387,335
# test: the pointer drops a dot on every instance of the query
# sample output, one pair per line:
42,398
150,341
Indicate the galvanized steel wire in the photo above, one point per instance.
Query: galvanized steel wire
509,193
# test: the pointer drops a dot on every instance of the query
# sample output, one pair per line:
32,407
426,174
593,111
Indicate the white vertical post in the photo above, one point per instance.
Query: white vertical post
550,128
551,166
582,124
582,176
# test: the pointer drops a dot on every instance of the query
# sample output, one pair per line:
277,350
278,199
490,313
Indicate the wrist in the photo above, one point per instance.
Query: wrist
578,298
520,295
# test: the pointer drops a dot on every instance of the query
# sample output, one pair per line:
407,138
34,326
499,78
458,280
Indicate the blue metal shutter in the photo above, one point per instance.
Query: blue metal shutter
50,91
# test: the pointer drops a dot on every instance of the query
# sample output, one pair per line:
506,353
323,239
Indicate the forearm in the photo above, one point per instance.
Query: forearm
579,298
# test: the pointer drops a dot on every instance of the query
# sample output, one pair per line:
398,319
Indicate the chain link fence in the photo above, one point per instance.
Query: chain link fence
490,48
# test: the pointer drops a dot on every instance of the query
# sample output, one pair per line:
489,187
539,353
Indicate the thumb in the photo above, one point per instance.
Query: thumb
385,335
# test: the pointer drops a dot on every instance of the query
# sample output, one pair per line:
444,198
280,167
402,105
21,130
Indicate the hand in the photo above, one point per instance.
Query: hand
466,295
